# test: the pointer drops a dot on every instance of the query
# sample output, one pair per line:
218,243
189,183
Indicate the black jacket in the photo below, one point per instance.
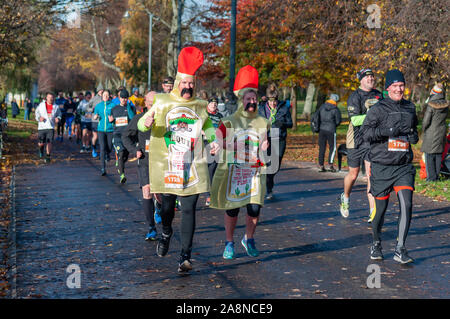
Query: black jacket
120,114
358,103
434,126
135,140
283,119
329,117
390,120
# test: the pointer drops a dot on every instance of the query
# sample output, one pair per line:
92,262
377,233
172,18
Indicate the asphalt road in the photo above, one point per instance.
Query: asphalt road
67,214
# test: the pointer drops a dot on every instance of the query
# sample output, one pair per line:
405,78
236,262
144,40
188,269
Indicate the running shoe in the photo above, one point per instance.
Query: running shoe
269,195
344,207
83,149
163,245
94,153
47,159
103,171
250,248
123,179
228,252
184,266
375,251
322,169
151,235
401,256
157,215
332,169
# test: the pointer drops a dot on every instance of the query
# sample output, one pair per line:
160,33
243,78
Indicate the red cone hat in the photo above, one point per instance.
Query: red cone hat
189,60
247,78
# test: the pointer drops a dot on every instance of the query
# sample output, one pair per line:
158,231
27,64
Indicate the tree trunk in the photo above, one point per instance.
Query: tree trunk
294,107
309,100
321,98
172,56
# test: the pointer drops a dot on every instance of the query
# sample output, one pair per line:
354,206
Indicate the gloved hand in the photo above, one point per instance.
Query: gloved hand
389,131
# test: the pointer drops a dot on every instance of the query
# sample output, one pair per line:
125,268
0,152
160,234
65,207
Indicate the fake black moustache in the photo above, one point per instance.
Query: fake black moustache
254,105
187,90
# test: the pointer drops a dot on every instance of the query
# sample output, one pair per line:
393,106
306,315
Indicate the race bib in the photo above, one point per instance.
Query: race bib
174,179
147,145
122,121
398,144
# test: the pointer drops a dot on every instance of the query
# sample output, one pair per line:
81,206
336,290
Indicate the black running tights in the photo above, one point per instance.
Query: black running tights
404,221
188,206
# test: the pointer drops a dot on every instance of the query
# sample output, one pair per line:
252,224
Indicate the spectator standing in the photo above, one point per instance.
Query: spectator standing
329,119
28,109
280,118
14,109
434,131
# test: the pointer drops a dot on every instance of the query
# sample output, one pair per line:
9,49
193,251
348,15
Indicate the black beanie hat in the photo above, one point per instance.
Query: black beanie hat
124,94
393,76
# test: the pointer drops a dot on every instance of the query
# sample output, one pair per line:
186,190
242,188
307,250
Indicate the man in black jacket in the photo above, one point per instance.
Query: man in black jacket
121,115
137,142
279,114
329,119
391,127
357,105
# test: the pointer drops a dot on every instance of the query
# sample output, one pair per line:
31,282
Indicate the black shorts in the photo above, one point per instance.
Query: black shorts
46,136
86,125
94,126
386,178
356,156
143,172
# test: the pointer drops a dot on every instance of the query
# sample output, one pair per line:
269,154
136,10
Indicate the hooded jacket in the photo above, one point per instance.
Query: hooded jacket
330,117
433,125
390,116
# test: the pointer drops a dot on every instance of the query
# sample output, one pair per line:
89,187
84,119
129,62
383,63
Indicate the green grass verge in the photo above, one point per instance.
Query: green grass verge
439,190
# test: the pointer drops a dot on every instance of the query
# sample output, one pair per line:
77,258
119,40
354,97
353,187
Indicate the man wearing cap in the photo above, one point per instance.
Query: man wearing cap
178,163
120,116
434,131
240,179
391,127
329,119
357,105
167,84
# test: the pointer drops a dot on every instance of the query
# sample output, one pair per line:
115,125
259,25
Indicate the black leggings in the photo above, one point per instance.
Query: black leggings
252,211
324,137
188,207
404,221
277,152
149,209
60,126
105,140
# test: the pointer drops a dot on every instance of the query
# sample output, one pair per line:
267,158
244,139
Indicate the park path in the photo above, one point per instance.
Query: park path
66,213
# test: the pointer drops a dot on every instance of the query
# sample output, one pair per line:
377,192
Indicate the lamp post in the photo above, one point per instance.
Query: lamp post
150,27
232,44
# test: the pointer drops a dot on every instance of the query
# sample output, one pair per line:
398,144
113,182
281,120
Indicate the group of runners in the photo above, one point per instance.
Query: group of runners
175,138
